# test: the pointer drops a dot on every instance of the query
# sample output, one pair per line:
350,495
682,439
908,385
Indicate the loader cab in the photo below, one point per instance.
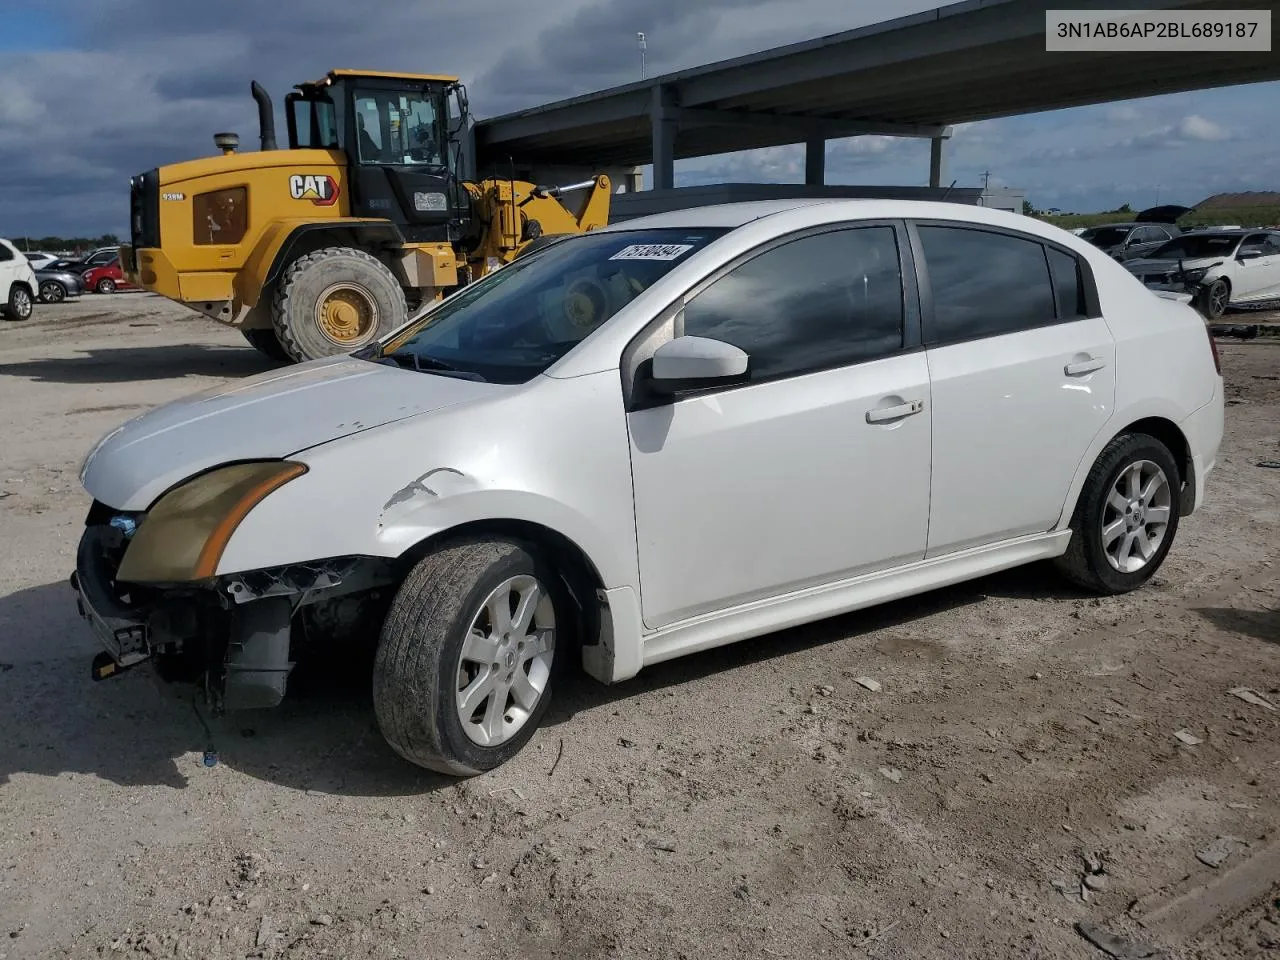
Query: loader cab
403,137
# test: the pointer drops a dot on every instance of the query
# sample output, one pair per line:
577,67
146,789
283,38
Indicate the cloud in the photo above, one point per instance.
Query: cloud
1198,128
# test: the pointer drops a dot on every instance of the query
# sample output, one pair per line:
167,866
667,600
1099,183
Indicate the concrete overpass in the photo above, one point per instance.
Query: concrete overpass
914,76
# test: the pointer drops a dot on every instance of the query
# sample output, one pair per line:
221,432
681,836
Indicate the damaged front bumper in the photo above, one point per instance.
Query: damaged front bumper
234,635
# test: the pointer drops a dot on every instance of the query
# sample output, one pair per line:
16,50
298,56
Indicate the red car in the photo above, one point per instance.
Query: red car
107,278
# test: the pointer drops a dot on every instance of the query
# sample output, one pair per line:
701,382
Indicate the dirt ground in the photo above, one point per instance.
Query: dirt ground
1016,775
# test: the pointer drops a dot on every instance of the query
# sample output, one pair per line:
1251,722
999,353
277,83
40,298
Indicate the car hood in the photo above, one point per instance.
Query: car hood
1148,265
267,416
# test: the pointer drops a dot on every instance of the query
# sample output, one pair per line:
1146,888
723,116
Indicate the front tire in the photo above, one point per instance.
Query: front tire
469,649
51,291
1214,299
18,306
334,301
1126,517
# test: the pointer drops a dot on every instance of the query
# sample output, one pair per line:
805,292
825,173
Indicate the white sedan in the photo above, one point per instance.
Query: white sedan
1220,268
645,441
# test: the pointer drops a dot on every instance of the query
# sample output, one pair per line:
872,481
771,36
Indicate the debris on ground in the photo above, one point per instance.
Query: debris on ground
1251,696
1114,946
1187,737
891,773
1216,852
867,682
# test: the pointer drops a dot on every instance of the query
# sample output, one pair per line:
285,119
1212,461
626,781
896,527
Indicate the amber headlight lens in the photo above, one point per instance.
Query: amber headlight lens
182,537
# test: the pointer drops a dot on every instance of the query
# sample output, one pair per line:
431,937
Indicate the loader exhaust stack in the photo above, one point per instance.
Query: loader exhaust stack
266,116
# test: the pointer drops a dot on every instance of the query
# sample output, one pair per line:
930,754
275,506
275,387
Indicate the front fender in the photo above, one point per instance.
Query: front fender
554,453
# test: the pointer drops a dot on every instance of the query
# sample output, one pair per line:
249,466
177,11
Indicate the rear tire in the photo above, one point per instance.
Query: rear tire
438,641
18,306
265,341
1111,526
106,285
334,301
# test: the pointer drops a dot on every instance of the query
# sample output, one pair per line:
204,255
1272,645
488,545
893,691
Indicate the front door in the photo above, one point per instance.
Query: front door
815,470
1255,277
1022,371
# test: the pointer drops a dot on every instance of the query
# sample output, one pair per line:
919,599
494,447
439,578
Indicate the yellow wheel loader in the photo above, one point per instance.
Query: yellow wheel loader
372,210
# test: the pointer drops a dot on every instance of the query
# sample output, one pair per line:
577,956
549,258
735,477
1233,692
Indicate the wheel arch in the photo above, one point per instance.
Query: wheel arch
24,285
1160,425
368,235
578,571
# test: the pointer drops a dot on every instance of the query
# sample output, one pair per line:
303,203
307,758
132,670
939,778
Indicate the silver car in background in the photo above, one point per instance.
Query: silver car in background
55,286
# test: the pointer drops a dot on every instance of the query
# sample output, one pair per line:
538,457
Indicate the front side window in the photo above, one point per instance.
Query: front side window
517,321
5,252
1105,236
822,301
985,284
400,128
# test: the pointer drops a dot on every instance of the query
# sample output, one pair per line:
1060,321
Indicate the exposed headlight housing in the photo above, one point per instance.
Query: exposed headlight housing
182,537
1194,276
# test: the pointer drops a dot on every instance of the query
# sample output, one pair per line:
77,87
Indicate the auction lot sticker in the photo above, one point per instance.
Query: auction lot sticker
653,251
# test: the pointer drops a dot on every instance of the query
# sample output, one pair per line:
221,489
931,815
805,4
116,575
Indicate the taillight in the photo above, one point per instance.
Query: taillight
1213,347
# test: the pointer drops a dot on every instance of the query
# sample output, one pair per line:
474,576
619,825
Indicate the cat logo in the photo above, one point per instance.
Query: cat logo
322,190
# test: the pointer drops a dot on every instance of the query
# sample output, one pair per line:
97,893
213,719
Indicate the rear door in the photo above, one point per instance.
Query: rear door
1022,378
9,270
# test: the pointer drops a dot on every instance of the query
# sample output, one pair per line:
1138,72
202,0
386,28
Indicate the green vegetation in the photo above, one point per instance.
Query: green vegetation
55,244
1244,216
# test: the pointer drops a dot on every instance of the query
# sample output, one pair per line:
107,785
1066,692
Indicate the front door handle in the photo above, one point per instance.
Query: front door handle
881,414
1081,367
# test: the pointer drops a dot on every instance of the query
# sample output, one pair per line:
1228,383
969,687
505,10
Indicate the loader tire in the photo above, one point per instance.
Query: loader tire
334,301
265,341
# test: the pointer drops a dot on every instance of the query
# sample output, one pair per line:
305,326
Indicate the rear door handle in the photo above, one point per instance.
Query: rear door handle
1080,368
881,414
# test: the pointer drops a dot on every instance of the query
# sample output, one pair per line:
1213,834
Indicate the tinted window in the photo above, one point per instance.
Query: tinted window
819,302
1197,246
1253,243
1066,284
985,284
5,252
1106,236
1272,246
515,322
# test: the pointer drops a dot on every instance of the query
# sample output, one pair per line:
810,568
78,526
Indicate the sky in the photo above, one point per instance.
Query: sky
94,91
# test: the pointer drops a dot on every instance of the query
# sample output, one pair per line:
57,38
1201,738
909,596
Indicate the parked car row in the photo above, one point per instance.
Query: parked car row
27,278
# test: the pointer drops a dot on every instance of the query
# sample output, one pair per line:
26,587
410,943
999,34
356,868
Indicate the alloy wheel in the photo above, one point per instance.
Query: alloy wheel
506,660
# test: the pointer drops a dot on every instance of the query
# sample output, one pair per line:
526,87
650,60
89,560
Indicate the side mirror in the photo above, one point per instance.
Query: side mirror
693,363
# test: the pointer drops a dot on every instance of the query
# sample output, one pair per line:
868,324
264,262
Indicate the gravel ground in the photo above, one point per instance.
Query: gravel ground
1016,775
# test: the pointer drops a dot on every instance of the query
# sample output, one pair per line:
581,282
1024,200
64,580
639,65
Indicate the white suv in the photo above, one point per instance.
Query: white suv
17,282
648,440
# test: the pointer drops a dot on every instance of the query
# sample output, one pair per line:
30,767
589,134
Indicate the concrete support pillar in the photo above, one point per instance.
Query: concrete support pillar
937,162
815,161
664,138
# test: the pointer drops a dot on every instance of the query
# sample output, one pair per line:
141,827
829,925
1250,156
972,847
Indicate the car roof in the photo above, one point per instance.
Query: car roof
739,214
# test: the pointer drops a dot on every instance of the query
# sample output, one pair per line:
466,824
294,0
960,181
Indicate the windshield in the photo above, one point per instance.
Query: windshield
1105,236
1198,246
400,128
522,318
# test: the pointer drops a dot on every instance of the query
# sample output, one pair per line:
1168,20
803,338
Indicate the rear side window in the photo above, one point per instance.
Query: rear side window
1067,286
815,303
985,284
